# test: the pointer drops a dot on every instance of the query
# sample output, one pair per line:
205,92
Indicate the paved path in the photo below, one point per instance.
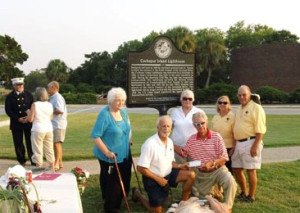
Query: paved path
270,155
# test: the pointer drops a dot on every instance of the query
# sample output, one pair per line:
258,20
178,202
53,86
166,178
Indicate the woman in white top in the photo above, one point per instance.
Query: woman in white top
183,126
40,115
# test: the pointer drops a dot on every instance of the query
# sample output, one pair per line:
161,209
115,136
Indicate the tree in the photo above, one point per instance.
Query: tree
11,54
36,79
120,59
240,35
97,70
210,52
57,70
183,38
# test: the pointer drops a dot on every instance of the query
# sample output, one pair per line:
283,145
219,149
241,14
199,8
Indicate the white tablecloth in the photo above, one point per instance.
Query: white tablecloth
59,195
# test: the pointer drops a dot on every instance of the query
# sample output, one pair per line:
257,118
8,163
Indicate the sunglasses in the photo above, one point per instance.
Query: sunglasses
199,123
222,102
186,99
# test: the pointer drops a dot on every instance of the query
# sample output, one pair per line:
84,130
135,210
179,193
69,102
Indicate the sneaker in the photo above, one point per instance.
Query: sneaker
249,199
242,197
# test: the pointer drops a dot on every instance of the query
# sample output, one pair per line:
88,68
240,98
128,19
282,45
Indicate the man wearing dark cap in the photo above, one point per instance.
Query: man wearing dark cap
16,104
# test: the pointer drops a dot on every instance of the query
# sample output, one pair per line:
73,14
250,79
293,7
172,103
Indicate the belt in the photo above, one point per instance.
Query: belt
246,139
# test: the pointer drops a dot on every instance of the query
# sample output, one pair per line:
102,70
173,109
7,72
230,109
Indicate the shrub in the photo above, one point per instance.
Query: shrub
85,88
270,95
211,94
70,98
80,98
67,88
294,96
86,98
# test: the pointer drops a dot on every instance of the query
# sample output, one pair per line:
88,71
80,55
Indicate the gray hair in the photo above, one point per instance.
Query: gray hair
198,115
113,92
187,92
162,118
41,94
54,84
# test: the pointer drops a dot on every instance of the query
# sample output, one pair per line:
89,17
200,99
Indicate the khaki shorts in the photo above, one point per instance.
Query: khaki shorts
59,135
242,158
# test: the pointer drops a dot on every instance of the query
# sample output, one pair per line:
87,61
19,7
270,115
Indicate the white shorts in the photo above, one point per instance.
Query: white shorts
242,158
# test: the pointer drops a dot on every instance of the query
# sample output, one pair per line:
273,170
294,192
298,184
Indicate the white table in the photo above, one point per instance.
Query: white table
62,191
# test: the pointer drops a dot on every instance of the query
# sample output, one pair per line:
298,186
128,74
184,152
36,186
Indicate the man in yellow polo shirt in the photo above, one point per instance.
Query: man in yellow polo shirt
249,128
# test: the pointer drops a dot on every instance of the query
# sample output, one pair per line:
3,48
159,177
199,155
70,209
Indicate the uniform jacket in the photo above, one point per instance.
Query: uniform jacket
16,106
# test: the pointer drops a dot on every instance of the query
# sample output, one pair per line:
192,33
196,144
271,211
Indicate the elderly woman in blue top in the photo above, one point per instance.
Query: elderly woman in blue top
112,138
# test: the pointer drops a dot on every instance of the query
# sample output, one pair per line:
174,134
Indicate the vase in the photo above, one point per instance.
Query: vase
9,206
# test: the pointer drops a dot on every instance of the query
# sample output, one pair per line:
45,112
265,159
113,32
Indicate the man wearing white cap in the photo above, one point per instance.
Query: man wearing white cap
16,104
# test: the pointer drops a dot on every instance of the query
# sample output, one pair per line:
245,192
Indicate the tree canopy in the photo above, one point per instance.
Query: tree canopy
11,54
57,70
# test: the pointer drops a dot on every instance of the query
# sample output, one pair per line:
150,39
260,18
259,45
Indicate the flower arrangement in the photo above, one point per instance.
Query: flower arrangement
15,196
81,177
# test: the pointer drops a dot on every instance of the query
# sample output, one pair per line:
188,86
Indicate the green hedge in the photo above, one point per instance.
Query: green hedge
271,95
294,96
211,94
80,98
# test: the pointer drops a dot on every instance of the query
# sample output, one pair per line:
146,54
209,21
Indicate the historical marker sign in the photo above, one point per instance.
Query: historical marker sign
158,75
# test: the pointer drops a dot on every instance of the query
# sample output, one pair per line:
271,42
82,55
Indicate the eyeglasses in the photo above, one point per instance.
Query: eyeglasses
222,102
185,99
199,123
240,95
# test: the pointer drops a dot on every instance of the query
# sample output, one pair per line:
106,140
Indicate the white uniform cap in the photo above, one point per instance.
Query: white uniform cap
17,81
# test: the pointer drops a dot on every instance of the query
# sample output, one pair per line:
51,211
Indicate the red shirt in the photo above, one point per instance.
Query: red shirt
208,149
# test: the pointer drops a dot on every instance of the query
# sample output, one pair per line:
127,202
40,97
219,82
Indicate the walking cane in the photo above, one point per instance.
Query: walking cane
122,185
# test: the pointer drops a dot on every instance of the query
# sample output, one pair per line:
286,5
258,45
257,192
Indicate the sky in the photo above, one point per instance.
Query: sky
69,29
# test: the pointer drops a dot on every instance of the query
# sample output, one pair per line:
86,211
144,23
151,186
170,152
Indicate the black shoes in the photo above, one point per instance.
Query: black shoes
249,199
243,198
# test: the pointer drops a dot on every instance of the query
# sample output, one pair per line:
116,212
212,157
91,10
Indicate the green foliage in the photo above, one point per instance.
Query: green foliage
211,94
85,88
35,79
270,94
57,70
80,98
66,88
210,51
294,96
183,38
11,54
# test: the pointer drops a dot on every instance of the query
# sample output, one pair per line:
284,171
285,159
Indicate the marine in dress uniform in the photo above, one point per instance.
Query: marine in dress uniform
16,104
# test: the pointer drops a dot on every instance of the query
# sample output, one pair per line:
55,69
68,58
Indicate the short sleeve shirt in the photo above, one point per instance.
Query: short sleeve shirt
183,125
156,156
224,125
115,135
249,120
59,121
210,148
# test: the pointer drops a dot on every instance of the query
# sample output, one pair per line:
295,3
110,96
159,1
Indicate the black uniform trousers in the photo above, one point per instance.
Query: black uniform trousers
19,145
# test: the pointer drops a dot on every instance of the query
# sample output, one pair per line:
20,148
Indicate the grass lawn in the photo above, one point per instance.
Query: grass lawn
277,191
4,117
79,144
